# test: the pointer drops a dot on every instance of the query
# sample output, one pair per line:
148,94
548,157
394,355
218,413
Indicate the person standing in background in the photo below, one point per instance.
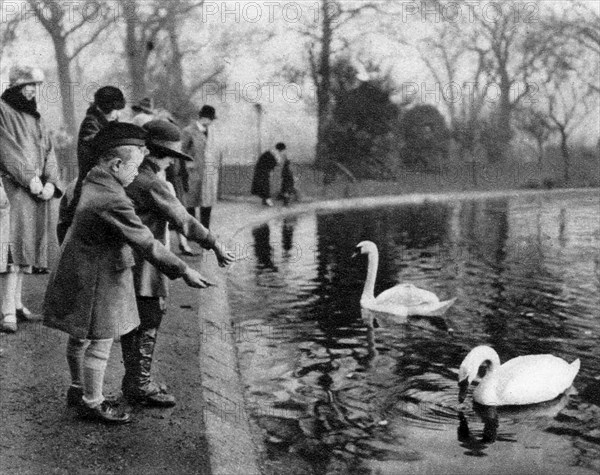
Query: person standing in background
29,173
200,177
108,102
261,183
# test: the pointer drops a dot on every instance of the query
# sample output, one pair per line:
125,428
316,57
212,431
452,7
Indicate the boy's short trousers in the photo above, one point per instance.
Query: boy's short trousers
151,311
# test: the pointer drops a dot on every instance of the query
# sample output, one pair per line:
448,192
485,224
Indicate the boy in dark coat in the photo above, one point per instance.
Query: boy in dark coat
91,294
157,206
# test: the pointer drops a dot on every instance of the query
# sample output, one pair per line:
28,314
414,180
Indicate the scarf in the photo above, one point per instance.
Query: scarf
19,102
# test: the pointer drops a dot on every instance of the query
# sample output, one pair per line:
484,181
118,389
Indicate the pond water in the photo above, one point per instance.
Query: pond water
332,394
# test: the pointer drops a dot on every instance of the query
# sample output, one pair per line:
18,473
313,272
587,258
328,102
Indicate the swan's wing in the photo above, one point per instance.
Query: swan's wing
406,295
533,378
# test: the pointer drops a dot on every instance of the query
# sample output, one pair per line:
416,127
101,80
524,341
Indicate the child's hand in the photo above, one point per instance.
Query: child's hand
195,279
224,257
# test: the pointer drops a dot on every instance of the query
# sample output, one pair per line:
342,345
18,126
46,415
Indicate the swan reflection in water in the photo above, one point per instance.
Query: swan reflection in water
492,416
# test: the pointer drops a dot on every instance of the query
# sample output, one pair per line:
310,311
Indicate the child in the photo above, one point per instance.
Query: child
156,205
91,294
288,185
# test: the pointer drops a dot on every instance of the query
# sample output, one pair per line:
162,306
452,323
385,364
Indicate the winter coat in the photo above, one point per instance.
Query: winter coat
261,183
91,294
93,122
288,185
26,151
203,172
158,207
4,228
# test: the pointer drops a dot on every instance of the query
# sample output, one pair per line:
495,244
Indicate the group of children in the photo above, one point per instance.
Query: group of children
111,279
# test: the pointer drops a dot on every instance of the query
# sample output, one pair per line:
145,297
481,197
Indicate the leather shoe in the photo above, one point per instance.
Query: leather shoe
8,327
74,397
153,396
25,315
105,412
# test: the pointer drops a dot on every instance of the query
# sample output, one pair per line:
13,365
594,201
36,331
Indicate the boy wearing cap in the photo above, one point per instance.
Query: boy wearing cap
156,205
29,173
90,294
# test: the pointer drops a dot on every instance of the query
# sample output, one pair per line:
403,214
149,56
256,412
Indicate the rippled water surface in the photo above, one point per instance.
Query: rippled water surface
334,395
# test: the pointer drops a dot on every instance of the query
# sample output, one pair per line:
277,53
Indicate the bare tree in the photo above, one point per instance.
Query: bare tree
7,33
71,32
323,44
155,55
538,125
512,48
568,106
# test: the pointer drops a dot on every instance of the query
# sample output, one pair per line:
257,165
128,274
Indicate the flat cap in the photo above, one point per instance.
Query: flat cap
117,134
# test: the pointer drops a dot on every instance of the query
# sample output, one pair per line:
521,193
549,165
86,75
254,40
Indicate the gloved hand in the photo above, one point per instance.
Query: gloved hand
35,186
48,191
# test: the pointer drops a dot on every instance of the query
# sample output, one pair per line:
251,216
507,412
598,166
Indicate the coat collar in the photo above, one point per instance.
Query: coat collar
94,111
149,165
99,176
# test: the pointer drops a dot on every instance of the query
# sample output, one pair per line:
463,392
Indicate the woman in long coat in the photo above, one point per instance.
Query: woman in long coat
261,183
31,180
199,141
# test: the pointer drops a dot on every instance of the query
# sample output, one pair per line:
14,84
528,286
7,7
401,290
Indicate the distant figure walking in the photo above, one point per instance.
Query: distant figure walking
261,184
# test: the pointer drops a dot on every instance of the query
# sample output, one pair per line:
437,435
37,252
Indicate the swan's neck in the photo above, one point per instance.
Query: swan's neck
369,289
492,359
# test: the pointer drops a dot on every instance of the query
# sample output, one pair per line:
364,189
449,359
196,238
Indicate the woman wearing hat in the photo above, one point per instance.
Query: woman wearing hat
156,205
29,172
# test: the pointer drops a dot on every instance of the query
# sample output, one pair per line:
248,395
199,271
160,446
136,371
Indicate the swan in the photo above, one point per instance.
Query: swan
529,379
402,300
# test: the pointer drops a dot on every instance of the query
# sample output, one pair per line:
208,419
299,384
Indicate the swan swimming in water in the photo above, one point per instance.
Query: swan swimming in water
402,300
529,379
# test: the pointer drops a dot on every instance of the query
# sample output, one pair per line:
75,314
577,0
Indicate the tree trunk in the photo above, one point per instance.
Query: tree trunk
503,130
65,83
564,148
136,49
179,101
324,83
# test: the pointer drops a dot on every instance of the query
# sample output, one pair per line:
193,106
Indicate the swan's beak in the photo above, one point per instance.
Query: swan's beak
355,254
463,387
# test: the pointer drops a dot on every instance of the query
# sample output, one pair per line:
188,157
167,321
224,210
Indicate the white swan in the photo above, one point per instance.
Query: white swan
402,300
529,379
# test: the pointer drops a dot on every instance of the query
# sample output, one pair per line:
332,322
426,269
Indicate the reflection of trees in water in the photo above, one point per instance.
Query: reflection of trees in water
512,285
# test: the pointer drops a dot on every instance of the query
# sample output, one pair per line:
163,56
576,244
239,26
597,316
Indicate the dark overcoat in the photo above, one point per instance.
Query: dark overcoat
158,208
91,293
26,151
261,183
